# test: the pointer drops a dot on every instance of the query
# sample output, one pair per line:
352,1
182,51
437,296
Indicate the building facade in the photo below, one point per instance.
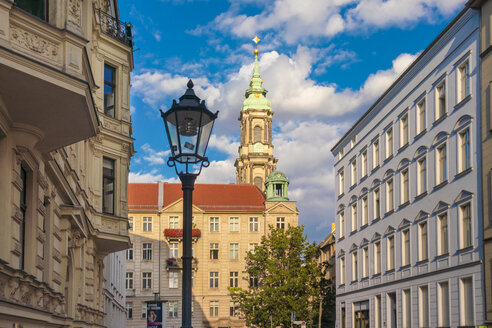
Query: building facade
65,149
408,206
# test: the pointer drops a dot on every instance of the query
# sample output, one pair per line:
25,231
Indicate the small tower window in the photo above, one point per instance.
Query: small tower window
258,182
278,190
257,134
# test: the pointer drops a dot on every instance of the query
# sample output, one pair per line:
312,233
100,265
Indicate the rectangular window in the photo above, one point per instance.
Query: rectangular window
443,304
465,225
377,311
147,224
234,224
38,8
129,310
147,251
364,164
130,224
214,224
422,178
389,195
364,210
353,172
253,282
234,279
129,280
440,100
389,142
129,253
108,185
353,141
343,317
214,251
173,222
442,235
424,306
464,151
109,88
466,302
214,280
173,279
173,250
214,309
280,223
405,188
341,181
377,257
147,280
233,310
342,270
234,251
252,247
173,309
375,154
441,164
391,253
463,81
423,252
355,273
342,224
407,309
144,310
253,224
354,217
404,130
405,247
421,116
377,204
365,262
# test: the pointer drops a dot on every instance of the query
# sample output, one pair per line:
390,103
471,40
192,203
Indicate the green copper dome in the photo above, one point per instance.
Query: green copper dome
276,187
256,95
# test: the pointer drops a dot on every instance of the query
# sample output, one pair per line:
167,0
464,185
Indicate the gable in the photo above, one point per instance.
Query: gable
281,208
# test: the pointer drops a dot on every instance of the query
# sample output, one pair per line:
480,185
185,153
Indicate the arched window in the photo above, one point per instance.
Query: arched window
258,182
257,134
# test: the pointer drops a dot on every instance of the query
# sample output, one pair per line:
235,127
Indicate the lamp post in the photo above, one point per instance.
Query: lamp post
188,127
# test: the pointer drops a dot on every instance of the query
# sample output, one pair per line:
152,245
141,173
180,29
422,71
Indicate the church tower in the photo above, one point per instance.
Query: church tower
256,161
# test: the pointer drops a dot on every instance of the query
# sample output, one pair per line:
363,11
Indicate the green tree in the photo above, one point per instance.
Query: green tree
288,276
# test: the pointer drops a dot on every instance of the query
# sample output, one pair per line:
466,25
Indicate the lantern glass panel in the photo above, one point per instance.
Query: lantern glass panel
173,134
204,138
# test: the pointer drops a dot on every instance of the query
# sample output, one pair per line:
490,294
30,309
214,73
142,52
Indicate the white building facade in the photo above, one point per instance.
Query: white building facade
408,195
114,290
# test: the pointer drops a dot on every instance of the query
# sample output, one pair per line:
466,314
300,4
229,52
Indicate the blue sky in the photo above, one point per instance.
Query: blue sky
324,63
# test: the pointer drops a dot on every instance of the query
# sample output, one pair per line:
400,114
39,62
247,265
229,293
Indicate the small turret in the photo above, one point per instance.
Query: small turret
276,187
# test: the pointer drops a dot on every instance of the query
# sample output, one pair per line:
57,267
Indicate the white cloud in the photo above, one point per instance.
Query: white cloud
154,157
218,172
157,35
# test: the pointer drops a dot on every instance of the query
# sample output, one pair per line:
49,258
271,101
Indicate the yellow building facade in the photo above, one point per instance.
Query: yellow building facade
65,149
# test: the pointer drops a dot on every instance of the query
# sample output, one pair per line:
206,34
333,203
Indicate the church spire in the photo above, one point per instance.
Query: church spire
256,95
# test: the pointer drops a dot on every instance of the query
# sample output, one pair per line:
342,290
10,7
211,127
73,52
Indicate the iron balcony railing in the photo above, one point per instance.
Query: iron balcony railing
116,29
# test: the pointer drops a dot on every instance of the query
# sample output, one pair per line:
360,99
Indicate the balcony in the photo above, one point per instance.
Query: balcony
113,27
177,264
177,234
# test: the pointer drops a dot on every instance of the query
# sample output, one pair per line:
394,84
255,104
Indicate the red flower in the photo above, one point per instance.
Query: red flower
179,232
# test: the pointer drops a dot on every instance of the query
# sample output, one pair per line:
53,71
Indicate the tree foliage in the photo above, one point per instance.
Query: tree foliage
290,278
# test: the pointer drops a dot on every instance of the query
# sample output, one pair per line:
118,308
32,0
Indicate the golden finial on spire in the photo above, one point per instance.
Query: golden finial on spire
256,40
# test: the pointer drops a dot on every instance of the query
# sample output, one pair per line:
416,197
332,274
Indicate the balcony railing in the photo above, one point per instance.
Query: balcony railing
116,29
177,264
177,234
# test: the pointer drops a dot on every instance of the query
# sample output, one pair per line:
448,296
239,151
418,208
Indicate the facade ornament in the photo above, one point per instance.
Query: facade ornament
34,43
74,13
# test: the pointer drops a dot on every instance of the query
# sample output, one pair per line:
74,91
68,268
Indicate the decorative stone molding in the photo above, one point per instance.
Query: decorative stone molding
34,43
17,215
57,255
74,13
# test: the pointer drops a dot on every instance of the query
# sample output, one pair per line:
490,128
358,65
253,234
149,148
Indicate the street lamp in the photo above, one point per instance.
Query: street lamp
188,127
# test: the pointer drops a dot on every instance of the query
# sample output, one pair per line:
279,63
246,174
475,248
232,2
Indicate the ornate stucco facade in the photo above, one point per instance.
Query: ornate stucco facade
65,149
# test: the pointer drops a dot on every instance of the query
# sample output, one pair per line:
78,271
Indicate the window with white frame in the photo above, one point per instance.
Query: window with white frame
354,217
405,188
390,262
441,164
464,150
375,154
466,302
173,222
280,223
129,280
407,308
253,224
342,271
364,210
363,167
423,242
214,280
365,262
147,224
233,309
129,310
173,309
465,226
146,280
424,306
144,310
130,224
214,251
173,279
463,80
234,224
355,273
341,181
421,116
129,252
234,251
422,176
442,234
234,279
147,251
405,247
252,247
377,257
341,218
353,172
389,142
443,304
214,309
173,250
404,130
440,100
377,203
389,196
214,224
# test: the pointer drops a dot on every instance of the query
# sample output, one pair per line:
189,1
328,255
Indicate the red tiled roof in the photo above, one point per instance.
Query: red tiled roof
219,197
143,196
